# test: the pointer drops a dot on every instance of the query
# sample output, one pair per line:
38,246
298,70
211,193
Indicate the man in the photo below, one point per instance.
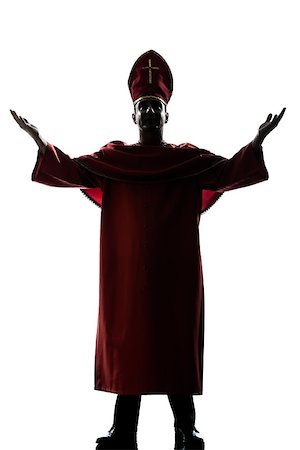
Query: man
150,334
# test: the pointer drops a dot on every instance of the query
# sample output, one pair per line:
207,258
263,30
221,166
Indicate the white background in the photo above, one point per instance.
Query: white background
65,66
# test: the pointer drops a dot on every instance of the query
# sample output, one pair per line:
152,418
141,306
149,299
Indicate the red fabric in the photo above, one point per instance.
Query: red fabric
150,333
150,75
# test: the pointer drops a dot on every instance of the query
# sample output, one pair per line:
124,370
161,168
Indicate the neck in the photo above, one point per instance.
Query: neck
152,137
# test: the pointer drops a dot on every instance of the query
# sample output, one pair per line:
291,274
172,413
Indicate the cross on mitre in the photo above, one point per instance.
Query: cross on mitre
150,68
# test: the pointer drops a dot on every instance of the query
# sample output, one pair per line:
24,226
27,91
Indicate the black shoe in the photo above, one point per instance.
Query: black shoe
117,440
122,434
188,440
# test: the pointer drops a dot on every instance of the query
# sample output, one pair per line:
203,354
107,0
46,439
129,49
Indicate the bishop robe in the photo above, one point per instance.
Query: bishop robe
150,329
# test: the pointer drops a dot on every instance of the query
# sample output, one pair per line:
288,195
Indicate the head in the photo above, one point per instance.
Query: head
150,114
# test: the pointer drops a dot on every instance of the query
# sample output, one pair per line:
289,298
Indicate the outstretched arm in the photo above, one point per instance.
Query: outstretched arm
54,167
245,168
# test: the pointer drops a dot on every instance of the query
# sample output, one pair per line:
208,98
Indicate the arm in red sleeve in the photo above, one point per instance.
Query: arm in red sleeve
245,168
55,168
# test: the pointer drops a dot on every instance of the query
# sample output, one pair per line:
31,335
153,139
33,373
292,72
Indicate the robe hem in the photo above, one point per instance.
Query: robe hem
121,392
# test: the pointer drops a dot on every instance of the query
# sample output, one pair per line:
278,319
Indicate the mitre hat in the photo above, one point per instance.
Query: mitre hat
150,77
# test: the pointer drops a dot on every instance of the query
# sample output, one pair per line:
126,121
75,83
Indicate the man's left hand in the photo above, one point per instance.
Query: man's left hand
267,127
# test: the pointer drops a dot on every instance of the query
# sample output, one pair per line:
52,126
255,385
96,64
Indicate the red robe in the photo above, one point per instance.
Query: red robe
150,334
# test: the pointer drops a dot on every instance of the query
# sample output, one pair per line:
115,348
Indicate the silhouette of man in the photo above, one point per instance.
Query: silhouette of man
150,334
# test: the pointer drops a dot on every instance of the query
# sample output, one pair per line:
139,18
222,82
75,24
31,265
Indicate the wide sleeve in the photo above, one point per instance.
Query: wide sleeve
56,168
245,168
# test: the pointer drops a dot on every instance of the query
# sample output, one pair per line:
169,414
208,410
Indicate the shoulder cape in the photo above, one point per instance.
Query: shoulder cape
151,164
169,162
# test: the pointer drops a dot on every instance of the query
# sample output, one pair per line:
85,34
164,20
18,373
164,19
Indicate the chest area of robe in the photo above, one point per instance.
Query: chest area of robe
153,221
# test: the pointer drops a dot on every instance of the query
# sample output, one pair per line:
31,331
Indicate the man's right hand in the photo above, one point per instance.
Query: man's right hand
30,129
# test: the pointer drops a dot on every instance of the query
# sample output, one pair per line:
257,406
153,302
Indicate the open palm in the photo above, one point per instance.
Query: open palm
29,128
269,124
25,125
